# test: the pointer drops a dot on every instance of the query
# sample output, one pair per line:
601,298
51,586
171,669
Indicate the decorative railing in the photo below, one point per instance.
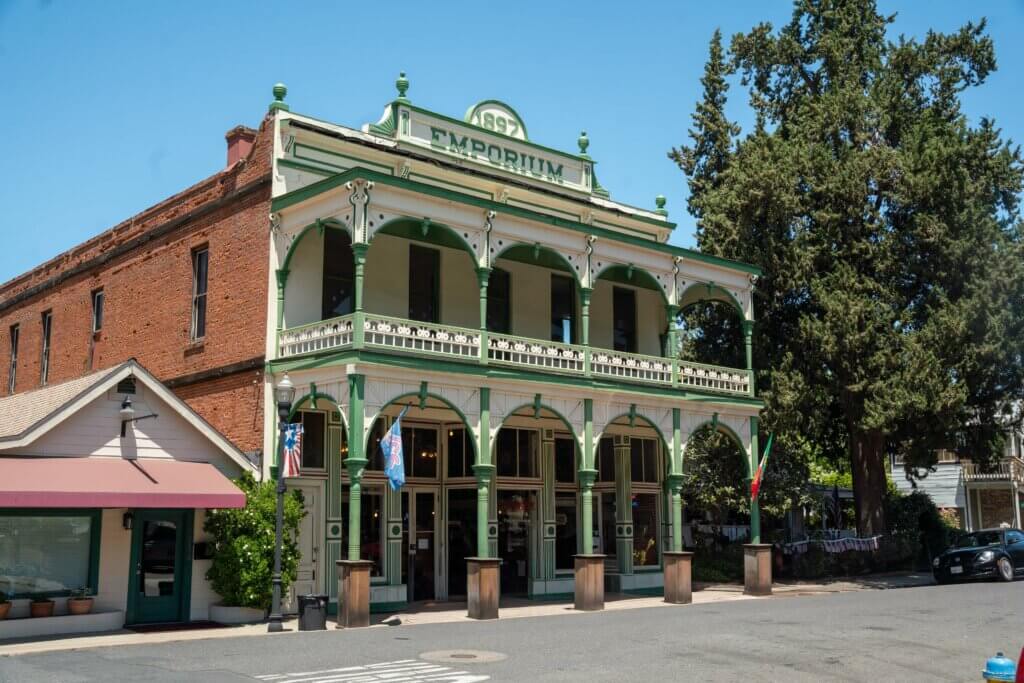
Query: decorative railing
697,376
395,335
335,333
1007,469
419,337
534,353
631,366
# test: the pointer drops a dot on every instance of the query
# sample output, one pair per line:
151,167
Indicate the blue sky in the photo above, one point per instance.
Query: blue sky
110,107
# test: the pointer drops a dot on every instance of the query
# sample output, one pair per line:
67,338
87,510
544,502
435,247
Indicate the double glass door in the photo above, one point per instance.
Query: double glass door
419,538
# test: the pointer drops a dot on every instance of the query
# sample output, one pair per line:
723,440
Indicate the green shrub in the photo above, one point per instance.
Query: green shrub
718,563
243,559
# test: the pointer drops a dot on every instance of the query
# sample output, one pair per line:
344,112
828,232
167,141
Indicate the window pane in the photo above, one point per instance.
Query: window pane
97,311
424,282
624,319
200,271
499,301
457,462
506,452
157,558
651,469
605,460
636,459
645,529
44,554
527,456
339,274
425,456
563,309
313,425
565,461
375,455
565,529
608,524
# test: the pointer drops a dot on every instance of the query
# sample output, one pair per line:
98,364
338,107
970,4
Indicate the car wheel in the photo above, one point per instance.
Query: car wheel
1005,569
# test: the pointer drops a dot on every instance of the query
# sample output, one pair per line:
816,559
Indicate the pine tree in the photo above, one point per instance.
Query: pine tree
891,312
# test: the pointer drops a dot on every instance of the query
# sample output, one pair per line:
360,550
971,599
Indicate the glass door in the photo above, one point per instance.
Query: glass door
516,512
160,566
419,537
461,521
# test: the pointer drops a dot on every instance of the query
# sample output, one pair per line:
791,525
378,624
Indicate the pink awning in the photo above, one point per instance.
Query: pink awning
114,483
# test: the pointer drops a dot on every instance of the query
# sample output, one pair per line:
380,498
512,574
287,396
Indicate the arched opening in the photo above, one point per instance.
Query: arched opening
534,292
423,271
427,528
631,508
320,283
710,331
628,311
535,499
717,500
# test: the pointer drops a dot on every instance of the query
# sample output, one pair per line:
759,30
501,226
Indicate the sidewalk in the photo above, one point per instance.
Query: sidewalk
449,612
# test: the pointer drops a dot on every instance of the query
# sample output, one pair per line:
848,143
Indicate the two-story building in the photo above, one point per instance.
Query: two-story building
488,287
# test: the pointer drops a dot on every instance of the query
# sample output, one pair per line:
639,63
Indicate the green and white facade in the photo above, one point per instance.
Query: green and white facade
490,285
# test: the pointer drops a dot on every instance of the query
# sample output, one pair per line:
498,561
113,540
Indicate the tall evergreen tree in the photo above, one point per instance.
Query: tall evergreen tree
891,312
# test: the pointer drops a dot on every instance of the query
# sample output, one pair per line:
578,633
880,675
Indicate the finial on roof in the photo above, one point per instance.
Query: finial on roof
402,84
583,141
659,201
280,90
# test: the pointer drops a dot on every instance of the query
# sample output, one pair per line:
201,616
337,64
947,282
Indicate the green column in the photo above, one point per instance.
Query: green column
623,505
359,257
748,336
282,281
675,481
484,471
671,311
585,293
355,463
483,275
755,510
587,475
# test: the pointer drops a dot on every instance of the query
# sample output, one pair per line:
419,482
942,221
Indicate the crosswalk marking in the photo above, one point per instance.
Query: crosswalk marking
398,671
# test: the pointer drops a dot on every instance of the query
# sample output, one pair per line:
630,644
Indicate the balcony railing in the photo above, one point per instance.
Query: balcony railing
395,335
1007,469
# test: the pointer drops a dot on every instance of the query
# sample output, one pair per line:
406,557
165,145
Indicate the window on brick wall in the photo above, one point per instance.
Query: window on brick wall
12,372
200,271
97,311
44,359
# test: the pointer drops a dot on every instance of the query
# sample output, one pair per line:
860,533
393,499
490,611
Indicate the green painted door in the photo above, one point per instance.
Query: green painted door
161,566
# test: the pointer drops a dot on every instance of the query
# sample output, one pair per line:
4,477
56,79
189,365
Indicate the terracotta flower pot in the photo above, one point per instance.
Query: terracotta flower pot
5,607
41,609
79,605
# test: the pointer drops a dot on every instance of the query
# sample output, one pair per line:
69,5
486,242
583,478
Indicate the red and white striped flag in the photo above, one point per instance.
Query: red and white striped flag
292,450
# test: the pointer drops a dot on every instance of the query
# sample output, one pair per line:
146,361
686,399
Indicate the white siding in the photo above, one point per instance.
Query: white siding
304,294
943,485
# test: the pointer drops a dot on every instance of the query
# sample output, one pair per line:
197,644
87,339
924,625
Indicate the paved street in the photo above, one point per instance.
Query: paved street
933,633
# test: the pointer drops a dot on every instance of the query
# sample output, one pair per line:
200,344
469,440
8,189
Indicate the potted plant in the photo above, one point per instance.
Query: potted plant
80,602
5,605
41,607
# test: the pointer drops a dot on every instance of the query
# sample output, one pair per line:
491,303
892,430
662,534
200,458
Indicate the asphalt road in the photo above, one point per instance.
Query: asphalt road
933,633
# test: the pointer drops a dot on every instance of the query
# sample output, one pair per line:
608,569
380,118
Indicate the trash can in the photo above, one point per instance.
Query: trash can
313,612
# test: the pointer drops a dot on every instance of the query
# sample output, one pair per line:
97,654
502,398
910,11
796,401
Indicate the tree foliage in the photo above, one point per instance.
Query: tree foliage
891,310
243,561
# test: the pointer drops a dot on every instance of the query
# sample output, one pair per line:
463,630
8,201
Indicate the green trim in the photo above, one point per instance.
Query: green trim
641,278
711,287
287,163
634,415
302,194
95,542
538,255
319,225
434,364
535,406
412,229
519,119
388,123
383,168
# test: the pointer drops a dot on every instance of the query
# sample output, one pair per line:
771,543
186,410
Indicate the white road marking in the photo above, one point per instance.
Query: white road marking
399,671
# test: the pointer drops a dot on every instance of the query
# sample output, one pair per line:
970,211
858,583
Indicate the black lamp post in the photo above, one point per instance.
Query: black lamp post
284,394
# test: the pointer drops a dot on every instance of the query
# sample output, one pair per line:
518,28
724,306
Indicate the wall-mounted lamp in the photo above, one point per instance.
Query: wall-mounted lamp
127,414
126,520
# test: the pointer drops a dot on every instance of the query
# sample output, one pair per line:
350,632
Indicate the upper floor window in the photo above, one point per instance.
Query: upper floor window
44,359
624,319
97,311
499,301
200,272
339,274
424,283
12,371
563,309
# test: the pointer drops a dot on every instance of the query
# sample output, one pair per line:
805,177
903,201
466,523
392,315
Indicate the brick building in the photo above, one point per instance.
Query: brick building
181,287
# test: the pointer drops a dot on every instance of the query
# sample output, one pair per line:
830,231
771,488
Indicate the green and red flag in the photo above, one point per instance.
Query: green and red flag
755,483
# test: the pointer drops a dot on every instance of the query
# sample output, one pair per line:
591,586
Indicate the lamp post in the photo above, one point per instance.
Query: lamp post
284,394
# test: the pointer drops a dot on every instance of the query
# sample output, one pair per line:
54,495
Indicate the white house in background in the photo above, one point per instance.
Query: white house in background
980,498
105,481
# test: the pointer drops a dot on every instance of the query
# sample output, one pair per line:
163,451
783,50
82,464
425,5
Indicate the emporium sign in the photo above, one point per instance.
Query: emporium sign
497,151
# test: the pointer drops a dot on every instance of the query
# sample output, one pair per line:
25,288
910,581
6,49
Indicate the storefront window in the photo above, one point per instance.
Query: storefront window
645,529
606,460
47,554
373,453
644,460
371,525
517,453
608,524
460,453
565,530
419,450
565,461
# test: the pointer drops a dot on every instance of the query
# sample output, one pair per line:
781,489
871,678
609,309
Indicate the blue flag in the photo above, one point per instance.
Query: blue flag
391,447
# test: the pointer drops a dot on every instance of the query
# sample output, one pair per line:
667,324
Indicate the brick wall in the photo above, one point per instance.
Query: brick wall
144,266
996,506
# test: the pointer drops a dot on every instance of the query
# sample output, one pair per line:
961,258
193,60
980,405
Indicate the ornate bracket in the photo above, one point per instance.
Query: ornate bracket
360,201
589,274
485,260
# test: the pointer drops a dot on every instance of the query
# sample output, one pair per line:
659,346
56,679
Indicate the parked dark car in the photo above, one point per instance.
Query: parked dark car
989,553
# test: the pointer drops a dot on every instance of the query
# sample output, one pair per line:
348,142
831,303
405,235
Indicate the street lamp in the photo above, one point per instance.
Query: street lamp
284,394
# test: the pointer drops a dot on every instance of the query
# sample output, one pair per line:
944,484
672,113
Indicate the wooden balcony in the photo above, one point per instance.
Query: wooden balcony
449,342
1008,469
